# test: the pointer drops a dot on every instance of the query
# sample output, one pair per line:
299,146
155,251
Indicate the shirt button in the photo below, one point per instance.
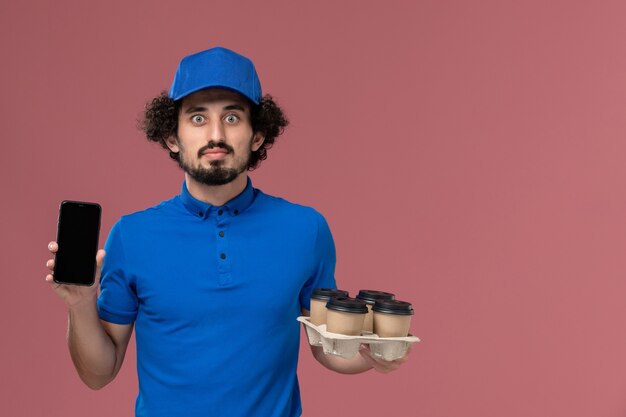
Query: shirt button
200,214
223,255
219,212
236,212
221,234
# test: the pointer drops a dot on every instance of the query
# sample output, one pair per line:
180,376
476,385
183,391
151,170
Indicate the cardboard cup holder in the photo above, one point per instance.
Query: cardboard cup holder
387,348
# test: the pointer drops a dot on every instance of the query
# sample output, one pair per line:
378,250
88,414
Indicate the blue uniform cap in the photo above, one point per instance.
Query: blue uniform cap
216,67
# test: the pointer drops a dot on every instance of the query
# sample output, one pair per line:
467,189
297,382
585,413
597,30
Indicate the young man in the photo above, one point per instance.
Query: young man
214,278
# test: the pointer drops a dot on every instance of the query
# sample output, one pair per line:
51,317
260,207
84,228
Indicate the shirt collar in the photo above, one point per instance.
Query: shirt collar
234,206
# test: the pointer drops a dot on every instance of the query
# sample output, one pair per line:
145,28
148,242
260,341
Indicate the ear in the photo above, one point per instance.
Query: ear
257,141
172,143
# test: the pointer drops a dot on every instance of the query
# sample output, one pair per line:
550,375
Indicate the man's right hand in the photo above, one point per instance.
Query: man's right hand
97,347
74,295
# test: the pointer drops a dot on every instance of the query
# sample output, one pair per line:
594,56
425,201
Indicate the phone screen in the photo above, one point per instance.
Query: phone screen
77,237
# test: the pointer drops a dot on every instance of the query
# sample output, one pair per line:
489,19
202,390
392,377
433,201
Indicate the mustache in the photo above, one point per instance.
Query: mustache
212,144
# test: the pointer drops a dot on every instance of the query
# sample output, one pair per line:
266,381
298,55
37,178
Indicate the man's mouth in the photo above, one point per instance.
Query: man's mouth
215,154
215,151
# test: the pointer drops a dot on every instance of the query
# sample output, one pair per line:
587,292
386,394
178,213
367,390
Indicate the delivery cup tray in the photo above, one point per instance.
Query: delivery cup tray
388,348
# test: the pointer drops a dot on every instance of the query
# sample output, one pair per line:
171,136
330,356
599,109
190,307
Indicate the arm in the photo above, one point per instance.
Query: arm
97,347
323,276
362,362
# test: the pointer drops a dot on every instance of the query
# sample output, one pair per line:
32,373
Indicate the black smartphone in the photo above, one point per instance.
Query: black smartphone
77,236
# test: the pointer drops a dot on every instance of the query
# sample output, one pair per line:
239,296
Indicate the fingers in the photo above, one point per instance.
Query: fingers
99,261
53,247
100,257
54,285
380,364
371,361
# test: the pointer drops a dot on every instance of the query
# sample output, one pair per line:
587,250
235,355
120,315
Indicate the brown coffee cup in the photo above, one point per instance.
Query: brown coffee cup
392,318
345,316
370,297
320,297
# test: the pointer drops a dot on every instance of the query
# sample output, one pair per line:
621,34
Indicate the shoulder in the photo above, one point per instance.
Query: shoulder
290,209
138,219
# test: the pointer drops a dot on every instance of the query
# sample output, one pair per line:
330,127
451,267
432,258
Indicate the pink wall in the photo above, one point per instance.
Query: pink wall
469,156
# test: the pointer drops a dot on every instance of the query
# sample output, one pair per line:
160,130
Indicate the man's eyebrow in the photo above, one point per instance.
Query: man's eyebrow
195,109
235,107
201,109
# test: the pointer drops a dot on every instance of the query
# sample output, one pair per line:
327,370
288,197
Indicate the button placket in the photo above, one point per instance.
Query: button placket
223,258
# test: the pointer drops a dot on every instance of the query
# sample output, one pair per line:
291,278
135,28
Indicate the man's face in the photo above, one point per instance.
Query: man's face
215,137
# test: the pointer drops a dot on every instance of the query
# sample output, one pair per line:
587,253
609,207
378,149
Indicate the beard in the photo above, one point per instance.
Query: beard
217,173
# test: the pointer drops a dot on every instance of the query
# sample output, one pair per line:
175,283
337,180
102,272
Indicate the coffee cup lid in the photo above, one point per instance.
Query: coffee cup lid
393,307
347,305
327,293
370,296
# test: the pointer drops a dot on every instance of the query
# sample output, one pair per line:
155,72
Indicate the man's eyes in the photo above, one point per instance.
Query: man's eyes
230,119
198,118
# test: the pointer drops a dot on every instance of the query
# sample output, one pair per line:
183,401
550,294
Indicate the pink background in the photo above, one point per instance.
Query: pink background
468,156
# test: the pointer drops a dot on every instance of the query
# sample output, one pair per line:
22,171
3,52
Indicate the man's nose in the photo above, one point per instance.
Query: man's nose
217,131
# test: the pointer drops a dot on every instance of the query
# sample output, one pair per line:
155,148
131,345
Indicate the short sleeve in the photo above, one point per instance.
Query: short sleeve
117,302
324,260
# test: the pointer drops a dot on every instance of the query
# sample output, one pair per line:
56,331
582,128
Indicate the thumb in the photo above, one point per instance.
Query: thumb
99,261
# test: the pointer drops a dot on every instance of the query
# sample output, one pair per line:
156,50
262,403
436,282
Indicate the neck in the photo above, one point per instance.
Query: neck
216,195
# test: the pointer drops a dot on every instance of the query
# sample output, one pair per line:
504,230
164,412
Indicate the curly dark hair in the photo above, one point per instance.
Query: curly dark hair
160,121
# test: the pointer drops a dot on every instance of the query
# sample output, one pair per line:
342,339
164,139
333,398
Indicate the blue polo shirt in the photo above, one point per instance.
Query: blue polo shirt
214,293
